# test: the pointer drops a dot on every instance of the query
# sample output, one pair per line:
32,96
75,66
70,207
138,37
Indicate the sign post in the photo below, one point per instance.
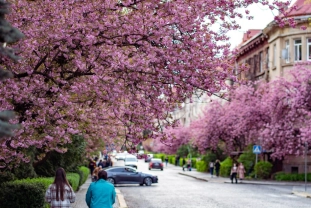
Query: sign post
256,150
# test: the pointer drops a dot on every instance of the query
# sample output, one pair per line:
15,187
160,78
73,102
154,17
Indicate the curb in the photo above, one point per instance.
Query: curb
302,194
202,179
122,203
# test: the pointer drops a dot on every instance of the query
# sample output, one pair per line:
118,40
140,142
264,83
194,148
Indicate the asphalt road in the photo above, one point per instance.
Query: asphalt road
178,191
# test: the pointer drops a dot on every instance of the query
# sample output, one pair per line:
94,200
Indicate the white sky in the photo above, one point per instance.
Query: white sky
262,17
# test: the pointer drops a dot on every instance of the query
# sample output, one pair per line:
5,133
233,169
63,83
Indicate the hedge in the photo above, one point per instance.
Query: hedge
74,180
225,167
291,176
201,166
22,195
263,169
85,174
28,192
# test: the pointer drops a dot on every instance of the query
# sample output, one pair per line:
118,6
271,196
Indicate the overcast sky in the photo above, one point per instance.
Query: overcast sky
262,17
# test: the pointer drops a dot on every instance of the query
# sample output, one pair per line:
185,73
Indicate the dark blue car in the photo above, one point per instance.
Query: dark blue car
129,175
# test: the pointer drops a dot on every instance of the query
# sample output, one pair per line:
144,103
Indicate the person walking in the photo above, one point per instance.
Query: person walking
233,173
60,194
241,172
217,167
100,194
92,165
211,168
166,161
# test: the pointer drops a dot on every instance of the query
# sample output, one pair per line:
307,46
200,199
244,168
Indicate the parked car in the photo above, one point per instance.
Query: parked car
131,160
129,175
120,156
155,163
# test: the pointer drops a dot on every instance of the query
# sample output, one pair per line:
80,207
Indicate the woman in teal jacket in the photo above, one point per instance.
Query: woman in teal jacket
100,194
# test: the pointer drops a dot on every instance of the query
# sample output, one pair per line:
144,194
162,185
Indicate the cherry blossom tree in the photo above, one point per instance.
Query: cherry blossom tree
111,69
275,115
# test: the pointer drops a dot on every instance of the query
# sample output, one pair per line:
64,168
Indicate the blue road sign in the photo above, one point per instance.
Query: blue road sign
256,149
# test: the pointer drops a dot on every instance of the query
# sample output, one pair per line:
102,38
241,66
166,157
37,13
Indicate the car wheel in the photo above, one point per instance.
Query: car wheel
149,168
111,180
162,169
148,181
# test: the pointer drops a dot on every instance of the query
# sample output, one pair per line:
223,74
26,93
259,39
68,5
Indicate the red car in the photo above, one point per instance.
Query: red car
156,163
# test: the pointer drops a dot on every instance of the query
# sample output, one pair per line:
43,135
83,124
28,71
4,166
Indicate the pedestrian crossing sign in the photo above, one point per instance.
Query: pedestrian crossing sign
256,149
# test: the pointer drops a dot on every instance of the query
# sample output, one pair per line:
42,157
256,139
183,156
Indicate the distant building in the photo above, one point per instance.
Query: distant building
271,52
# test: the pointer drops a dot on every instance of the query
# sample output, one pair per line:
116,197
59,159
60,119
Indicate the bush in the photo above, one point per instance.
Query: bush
85,174
201,166
22,195
193,162
225,167
73,179
248,158
291,176
263,169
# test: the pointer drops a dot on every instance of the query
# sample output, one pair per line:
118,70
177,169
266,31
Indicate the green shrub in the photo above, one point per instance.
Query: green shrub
248,158
85,174
160,156
73,179
225,167
263,169
194,162
291,176
22,195
201,166
44,181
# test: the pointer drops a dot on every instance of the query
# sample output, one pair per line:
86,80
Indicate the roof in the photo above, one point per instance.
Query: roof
250,33
303,8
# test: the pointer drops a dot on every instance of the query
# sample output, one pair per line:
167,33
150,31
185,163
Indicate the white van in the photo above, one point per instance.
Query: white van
131,160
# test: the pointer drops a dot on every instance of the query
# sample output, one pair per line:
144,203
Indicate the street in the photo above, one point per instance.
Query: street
175,190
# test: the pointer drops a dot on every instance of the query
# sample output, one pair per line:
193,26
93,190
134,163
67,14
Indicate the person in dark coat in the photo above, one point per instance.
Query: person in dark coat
217,167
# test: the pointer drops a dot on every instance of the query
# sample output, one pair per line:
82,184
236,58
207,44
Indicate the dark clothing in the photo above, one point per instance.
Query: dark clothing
233,176
92,166
217,168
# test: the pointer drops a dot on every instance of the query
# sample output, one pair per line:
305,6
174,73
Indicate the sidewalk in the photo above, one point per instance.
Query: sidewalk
298,187
80,197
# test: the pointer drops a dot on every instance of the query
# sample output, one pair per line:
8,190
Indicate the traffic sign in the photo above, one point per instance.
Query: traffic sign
256,149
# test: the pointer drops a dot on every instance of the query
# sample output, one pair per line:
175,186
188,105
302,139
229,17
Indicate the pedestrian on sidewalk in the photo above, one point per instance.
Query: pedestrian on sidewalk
166,161
217,167
92,165
233,173
60,194
211,168
100,193
95,174
241,172
189,164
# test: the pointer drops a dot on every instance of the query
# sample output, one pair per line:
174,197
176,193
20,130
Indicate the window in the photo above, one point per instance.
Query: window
255,64
274,55
267,58
287,51
309,49
297,45
260,62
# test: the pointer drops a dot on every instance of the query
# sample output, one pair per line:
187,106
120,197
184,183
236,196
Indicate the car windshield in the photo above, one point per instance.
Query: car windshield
130,159
156,160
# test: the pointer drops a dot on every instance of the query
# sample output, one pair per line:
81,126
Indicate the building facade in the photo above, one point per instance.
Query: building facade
271,52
